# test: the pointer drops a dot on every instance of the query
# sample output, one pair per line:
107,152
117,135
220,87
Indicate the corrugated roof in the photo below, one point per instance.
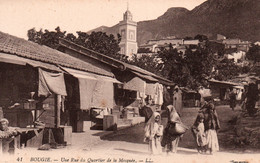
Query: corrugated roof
23,48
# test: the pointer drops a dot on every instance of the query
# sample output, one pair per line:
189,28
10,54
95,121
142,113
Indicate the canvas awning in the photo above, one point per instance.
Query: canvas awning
135,84
145,77
95,93
95,90
150,89
87,75
79,74
13,59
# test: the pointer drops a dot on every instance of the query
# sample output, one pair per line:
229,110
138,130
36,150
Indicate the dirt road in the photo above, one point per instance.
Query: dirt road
127,145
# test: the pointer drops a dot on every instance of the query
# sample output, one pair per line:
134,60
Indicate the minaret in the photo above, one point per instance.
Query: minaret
127,30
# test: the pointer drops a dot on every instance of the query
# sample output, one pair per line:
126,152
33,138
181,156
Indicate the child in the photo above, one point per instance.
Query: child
201,136
198,131
153,133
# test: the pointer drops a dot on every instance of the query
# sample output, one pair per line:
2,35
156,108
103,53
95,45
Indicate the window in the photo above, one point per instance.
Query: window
122,50
132,35
123,33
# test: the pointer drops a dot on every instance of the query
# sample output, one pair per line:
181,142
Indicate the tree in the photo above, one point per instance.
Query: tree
172,66
48,38
147,62
215,47
201,38
191,69
226,69
188,38
195,67
97,41
253,53
144,50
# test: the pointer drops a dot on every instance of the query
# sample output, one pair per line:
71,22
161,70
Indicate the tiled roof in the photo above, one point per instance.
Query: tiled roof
112,61
23,48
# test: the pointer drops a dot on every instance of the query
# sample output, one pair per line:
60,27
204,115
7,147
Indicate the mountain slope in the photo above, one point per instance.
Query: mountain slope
232,18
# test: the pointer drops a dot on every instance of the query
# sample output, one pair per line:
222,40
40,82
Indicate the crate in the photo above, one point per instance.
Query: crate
110,122
67,131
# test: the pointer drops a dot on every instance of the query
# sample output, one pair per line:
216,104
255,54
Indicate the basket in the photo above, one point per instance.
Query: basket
177,129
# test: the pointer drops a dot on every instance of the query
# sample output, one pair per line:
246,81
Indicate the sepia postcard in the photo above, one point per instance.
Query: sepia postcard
129,81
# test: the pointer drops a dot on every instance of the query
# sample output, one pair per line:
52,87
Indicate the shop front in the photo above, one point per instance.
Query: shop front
88,92
30,99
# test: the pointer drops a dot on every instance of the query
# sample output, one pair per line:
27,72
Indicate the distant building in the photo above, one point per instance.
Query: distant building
180,44
236,56
147,48
257,43
127,29
173,41
191,42
220,37
235,43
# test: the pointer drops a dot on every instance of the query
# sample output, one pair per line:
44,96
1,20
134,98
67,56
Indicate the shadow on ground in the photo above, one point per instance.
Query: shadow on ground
135,134
132,151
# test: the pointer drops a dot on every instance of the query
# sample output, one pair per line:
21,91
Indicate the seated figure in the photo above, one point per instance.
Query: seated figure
6,134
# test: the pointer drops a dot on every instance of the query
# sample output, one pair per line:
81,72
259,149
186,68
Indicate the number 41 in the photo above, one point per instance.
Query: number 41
19,159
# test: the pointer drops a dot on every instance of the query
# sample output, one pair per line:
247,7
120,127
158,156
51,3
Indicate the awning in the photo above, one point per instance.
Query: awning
96,94
87,75
135,84
109,79
225,83
132,81
150,89
146,77
95,90
239,87
79,74
7,58
13,59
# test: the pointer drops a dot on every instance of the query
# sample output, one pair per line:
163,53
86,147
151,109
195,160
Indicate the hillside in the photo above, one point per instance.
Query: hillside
232,18
101,28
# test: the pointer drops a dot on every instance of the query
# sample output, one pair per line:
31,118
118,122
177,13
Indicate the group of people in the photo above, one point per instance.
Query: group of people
167,139
205,128
235,97
247,99
163,139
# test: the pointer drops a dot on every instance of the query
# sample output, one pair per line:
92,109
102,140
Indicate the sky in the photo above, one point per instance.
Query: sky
18,16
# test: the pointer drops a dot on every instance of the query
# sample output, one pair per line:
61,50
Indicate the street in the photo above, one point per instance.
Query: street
127,144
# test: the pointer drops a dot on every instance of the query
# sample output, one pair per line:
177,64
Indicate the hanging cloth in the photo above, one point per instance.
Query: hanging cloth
50,83
150,89
103,94
158,97
86,89
96,93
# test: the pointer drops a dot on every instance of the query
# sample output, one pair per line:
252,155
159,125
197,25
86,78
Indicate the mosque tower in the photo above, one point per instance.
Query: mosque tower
127,29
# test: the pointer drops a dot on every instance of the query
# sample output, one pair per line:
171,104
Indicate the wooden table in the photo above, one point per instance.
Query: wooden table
31,137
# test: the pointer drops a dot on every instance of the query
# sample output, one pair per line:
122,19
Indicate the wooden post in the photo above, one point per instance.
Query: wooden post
57,111
1,147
